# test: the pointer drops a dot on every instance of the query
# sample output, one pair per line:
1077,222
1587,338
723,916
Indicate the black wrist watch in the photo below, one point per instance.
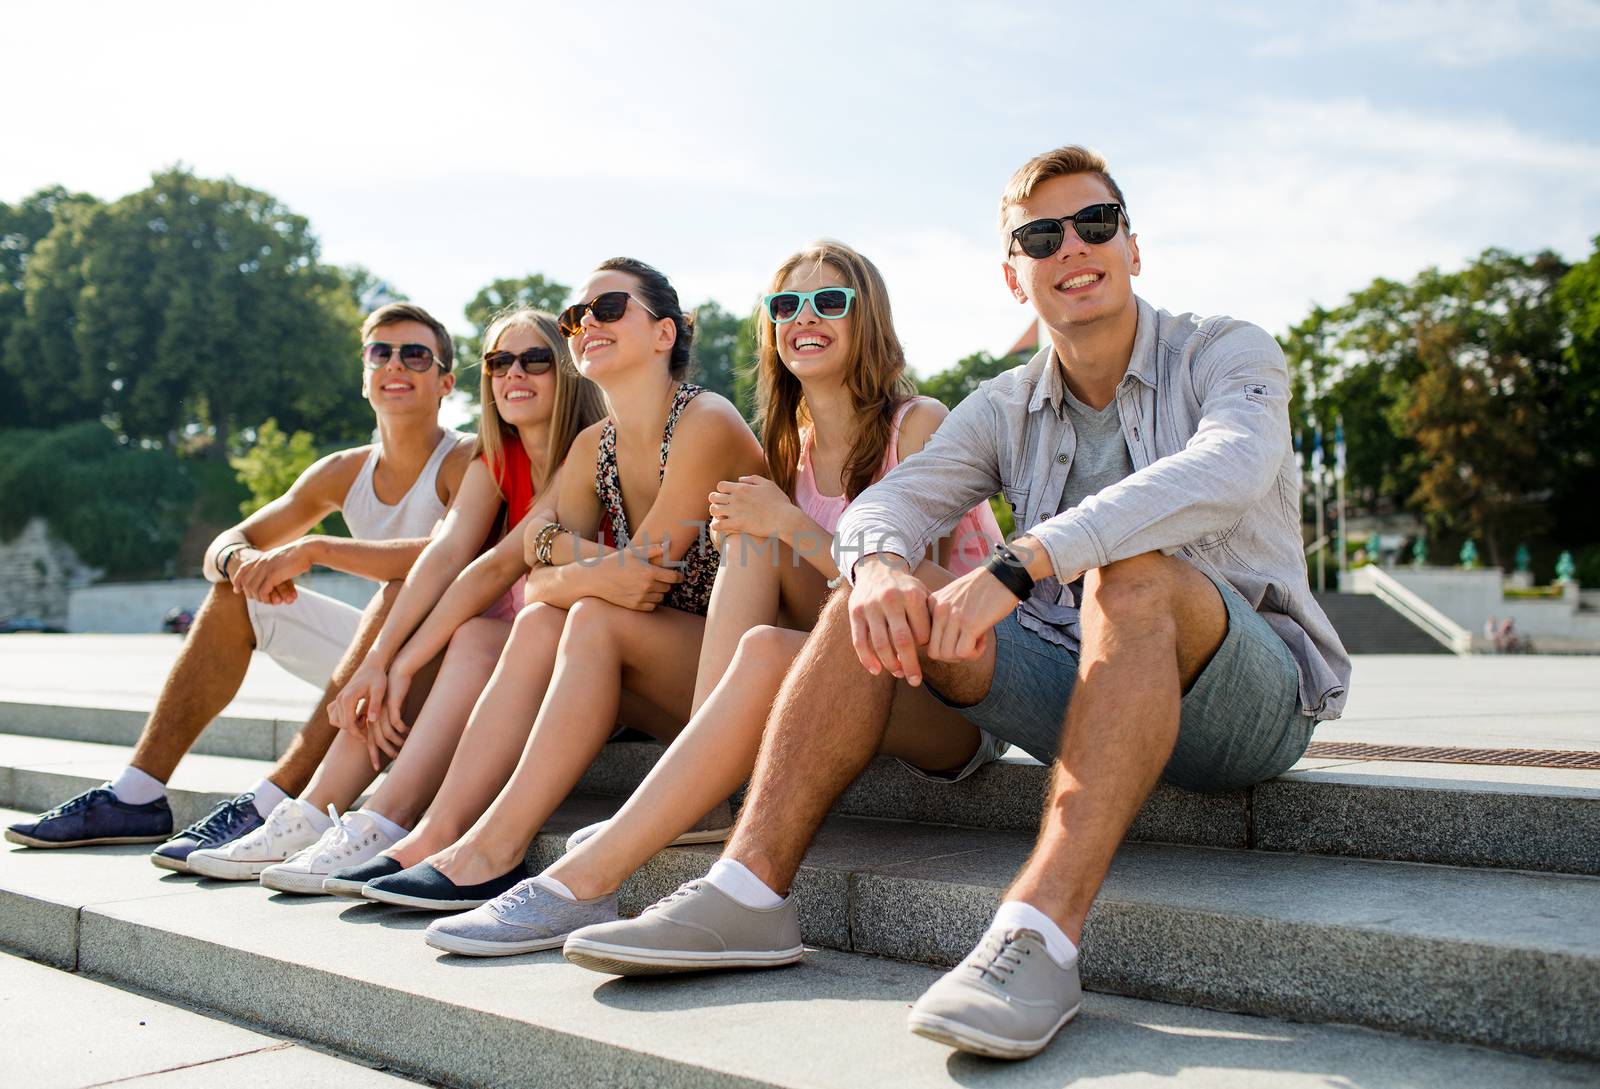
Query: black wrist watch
1010,569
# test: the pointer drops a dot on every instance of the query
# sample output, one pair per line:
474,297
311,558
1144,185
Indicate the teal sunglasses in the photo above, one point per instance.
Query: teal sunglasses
832,303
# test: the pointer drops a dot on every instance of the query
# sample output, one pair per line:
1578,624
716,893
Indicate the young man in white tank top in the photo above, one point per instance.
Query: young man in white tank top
391,494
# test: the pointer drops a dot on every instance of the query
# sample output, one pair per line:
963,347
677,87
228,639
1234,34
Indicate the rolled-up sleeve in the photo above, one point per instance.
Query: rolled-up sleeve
1231,461
923,497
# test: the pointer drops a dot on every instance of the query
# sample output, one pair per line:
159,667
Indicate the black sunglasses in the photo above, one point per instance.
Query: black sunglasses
1096,225
533,361
414,357
607,306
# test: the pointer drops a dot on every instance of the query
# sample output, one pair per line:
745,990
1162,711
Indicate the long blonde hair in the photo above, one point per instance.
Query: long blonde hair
876,379
579,402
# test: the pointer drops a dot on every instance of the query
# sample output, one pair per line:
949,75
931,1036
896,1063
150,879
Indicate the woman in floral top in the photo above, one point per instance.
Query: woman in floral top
621,577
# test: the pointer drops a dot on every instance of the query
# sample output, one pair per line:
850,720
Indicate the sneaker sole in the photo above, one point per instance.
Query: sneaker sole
304,884
352,889
623,960
176,865
400,899
688,839
476,947
221,869
104,841
977,1042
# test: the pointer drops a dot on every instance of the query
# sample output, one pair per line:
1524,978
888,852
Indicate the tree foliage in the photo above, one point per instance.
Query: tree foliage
191,305
121,508
531,290
1459,392
954,384
725,355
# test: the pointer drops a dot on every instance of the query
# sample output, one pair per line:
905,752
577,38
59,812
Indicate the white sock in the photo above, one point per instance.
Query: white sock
314,816
268,795
1017,915
386,826
735,879
135,787
550,884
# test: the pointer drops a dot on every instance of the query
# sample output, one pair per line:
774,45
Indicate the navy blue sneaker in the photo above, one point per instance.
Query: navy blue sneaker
349,880
224,824
93,817
426,888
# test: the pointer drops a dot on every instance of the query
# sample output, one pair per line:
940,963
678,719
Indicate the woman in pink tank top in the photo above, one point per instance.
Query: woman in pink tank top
837,412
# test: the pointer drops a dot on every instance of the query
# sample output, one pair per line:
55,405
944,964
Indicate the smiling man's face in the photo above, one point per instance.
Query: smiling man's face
1078,284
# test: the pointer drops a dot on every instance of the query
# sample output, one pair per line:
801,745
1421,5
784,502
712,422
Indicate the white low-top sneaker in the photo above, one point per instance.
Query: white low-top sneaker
291,826
715,827
353,839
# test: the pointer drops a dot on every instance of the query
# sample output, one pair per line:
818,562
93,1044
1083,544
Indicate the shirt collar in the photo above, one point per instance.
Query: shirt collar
1048,388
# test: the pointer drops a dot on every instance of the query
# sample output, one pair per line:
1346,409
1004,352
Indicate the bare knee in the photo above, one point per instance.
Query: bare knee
537,623
477,639
1137,591
593,618
767,648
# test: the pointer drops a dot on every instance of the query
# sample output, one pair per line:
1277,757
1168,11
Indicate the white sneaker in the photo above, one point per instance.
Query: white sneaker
354,839
291,826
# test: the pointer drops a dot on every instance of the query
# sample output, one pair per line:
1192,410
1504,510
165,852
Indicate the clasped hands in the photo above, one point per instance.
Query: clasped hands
893,613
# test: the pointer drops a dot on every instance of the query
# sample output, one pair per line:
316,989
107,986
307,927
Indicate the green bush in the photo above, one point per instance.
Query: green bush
121,508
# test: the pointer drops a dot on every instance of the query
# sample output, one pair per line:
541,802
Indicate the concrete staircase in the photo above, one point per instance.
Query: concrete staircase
1237,941
1368,625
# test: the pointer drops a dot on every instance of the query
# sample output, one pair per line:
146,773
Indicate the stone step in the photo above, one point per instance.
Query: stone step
64,1030
1506,958
1369,625
1517,818
356,979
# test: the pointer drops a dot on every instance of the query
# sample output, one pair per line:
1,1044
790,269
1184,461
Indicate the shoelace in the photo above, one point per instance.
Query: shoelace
515,896
81,801
996,956
222,818
340,838
676,894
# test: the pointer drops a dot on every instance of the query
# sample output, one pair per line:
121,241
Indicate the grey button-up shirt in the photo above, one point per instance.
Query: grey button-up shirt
1205,412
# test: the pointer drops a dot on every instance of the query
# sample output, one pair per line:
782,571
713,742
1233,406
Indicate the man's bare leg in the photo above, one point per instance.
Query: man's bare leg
205,678
827,724
1150,624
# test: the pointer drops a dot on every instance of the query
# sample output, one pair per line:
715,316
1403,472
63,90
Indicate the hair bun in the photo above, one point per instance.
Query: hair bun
688,319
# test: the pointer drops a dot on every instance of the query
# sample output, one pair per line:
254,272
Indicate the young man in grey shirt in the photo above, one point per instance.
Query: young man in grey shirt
1153,622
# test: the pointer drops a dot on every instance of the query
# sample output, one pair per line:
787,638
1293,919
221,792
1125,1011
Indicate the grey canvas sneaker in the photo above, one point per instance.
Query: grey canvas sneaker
1006,1000
523,919
696,928
714,827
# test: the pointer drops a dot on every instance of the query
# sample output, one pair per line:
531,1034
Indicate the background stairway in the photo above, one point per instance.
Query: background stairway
1368,625
1237,939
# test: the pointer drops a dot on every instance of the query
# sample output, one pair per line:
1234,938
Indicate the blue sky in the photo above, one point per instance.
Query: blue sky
1273,155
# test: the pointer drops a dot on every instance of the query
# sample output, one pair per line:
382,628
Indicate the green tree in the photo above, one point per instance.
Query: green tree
725,355
953,384
40,282
532,290
120,507
1573,395
192,305
272,463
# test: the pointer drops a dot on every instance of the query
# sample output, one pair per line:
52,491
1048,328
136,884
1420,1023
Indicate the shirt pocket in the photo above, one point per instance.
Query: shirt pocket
1016,496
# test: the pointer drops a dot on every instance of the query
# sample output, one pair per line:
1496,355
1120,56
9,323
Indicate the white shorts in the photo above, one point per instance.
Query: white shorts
308,636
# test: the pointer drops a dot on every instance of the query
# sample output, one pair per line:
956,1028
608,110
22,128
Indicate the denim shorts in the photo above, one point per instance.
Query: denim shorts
1240,722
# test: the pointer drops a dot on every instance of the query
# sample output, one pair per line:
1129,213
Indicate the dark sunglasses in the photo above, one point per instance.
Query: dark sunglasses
607,306
533,361
413,357
832,303
1096,225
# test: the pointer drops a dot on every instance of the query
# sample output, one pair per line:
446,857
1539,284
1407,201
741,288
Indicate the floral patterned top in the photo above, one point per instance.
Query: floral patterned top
699,564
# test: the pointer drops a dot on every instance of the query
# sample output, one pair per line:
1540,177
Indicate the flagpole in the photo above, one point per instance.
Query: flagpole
1338,478
1316,479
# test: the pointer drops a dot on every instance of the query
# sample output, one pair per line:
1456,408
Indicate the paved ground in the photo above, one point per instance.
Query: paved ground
1516,701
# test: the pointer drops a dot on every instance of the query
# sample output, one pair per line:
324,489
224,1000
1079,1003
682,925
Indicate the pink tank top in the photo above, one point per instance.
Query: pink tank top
973,537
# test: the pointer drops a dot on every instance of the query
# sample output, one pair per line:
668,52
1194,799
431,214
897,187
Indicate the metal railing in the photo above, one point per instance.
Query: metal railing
1392,592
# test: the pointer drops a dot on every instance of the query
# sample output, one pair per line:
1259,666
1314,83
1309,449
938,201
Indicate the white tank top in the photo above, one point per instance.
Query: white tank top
371,519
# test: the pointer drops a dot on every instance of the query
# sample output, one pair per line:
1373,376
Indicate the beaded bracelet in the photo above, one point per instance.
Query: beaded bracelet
543,540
